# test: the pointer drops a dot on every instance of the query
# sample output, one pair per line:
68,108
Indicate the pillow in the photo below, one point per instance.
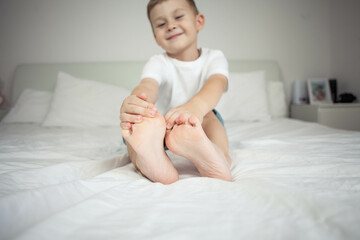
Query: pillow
276,98
31,107
84,103
246,98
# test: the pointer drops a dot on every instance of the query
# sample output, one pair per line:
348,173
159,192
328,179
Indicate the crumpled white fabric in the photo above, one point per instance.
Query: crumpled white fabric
292,180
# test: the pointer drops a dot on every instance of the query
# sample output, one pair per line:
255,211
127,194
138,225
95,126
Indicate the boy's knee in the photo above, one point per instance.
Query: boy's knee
209,118
210,115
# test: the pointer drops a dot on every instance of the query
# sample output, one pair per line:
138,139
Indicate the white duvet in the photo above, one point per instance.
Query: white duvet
292,180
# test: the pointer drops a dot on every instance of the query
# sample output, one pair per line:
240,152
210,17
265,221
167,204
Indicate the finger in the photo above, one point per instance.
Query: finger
169,113
142,96
134,100
132,118
137,110
171,120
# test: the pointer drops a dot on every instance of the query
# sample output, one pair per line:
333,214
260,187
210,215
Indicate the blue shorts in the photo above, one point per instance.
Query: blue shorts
217,114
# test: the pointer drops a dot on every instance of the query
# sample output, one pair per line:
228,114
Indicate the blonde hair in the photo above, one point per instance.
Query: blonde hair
153,3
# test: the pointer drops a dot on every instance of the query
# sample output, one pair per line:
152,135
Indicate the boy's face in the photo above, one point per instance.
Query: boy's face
175,26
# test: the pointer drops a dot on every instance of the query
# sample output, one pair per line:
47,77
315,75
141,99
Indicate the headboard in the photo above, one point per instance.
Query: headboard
125,74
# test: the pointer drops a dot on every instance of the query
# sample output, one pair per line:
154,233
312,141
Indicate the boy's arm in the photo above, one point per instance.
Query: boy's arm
140,103
203,102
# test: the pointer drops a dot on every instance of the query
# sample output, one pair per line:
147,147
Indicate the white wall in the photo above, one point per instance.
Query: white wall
345,45
293,32
296,33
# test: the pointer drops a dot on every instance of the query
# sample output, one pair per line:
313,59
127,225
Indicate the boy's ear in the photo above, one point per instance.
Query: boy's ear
200,21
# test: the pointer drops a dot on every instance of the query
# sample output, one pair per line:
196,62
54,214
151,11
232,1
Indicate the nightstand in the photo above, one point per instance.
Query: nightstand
3,112
340,115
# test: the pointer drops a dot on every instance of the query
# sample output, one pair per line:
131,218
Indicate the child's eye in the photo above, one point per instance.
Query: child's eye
179,17
160,25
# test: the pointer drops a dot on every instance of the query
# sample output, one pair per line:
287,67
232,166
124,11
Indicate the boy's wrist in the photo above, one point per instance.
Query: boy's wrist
199,105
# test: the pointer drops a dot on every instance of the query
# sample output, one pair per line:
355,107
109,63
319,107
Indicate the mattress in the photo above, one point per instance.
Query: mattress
292,180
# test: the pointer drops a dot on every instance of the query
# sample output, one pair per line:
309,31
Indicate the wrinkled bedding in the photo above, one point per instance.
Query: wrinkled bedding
292,180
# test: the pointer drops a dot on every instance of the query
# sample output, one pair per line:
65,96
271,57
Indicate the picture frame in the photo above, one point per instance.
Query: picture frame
319,91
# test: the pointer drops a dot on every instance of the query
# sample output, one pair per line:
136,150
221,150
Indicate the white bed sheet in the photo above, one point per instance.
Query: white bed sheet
292,180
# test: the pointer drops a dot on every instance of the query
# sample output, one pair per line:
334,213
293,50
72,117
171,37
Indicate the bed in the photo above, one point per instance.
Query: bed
65,173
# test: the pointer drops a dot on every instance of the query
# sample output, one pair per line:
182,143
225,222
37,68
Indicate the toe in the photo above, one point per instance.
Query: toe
194,121
126,134
182,119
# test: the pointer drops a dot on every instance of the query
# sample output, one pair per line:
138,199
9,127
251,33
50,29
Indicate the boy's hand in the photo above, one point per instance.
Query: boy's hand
134,108
181,114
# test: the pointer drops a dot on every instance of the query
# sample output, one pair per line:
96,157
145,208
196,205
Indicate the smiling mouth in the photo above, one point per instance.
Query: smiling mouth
174,36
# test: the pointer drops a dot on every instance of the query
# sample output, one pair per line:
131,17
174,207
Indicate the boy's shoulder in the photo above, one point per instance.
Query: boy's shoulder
158,57
211,53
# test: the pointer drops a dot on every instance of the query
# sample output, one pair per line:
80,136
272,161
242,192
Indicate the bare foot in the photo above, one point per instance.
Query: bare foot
190,141
147,140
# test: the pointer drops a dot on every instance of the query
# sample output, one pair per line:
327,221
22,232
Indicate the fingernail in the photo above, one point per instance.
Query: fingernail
138,118
152,112
155,109
168,125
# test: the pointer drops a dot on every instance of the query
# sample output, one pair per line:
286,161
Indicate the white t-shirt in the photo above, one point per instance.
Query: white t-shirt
179,81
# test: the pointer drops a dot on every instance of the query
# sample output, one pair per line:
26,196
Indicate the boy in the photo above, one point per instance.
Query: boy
186,83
